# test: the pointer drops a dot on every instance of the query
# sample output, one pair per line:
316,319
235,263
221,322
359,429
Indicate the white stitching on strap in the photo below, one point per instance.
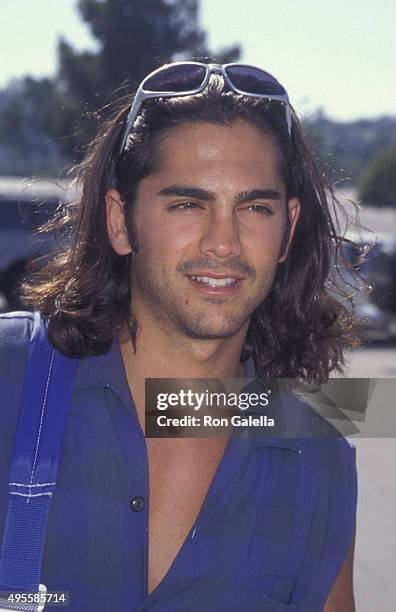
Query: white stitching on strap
22,484
30,494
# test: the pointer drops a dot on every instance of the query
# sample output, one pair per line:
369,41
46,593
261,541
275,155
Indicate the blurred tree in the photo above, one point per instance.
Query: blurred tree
378,182
134,37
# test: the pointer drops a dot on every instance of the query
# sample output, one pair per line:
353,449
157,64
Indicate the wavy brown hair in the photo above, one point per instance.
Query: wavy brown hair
306,322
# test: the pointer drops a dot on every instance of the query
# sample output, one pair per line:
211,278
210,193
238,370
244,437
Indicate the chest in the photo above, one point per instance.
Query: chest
180,475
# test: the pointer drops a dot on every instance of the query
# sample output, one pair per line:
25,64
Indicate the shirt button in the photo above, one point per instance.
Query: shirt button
137,503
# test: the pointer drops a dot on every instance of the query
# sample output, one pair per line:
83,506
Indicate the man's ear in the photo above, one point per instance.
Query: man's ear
116,227
294,208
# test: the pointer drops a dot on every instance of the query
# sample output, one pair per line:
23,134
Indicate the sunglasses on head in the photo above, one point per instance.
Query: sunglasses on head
189,78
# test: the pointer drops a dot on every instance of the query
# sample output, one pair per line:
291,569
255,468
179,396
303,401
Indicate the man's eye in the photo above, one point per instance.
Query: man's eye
260,209
185,206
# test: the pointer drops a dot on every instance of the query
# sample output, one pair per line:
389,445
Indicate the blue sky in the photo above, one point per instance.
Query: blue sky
338,54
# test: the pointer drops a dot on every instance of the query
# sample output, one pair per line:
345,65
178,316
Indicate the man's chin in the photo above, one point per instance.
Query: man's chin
210,335
213,331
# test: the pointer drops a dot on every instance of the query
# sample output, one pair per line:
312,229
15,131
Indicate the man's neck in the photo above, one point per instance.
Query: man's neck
161,355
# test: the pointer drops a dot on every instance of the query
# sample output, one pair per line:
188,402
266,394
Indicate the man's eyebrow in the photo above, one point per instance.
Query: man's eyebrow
188,192
208,196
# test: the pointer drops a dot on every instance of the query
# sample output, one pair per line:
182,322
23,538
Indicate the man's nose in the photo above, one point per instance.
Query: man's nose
221,235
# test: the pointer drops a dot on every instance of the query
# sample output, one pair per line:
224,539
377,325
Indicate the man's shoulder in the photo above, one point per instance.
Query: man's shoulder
331,456
319,432
297,421
324,450
331,453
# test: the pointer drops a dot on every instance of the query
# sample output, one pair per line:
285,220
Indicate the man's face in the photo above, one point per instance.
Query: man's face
209,224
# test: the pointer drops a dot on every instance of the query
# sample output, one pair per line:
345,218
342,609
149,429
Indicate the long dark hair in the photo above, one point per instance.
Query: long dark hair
305,323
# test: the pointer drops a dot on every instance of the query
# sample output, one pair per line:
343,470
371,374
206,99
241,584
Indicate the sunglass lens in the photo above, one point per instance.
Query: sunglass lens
181,78
254,81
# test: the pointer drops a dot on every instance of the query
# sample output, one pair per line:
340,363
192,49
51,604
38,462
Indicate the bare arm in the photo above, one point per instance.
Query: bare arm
340,598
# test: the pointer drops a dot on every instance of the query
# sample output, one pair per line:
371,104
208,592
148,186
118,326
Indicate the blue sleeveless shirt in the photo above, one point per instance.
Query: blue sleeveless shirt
272,533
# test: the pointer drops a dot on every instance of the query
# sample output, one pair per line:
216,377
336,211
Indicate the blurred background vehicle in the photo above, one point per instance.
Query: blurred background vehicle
377,311
374,255
24,206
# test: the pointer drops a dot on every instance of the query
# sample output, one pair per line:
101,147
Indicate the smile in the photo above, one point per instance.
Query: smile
215,282
216,286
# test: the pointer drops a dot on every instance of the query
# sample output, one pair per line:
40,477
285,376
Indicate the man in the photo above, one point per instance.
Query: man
200,249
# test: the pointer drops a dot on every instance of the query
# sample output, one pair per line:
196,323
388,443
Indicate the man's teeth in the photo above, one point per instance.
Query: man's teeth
215,282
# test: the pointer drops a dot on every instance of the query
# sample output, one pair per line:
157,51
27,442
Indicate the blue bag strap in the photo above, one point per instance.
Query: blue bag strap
34,469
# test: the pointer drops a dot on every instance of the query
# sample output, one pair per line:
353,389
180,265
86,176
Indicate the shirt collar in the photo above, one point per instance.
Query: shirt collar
107,371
